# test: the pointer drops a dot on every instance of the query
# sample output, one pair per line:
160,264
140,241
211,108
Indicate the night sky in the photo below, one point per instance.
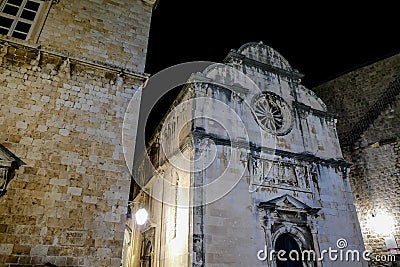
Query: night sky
321,41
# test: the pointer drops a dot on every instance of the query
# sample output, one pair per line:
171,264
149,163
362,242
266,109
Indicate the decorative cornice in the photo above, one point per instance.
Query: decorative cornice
323,114
304,156
37,49
152,3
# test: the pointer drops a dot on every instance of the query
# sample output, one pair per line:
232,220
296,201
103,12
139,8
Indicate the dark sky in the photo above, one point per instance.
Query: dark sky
320,40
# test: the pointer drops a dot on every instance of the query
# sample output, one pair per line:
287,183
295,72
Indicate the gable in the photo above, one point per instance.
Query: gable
288,203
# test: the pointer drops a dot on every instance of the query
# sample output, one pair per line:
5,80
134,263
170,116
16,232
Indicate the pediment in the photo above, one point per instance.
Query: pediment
287,203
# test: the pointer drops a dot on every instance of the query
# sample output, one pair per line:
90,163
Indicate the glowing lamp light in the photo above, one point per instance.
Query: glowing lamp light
382,223
141,216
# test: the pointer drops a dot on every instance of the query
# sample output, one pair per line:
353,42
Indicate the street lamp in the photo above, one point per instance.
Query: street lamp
382,223
141,216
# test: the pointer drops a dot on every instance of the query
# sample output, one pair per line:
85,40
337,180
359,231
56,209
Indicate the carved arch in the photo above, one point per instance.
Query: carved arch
295,232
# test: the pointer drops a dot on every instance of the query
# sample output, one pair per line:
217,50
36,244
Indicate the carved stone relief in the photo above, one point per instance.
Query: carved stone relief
266,172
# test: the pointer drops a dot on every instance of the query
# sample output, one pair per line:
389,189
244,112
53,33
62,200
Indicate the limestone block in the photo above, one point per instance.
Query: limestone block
90,199
76,191
6,249
39,250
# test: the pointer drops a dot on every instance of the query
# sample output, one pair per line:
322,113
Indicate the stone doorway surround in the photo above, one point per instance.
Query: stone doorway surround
287,215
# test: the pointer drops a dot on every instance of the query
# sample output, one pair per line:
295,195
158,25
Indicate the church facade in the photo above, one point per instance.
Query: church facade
247,164
68,70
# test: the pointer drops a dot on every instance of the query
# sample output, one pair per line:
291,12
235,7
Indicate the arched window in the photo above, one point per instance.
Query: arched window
287,243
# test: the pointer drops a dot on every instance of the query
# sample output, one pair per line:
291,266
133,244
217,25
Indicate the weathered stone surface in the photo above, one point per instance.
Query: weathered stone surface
374,153
351,95
62,109
109,32
250,182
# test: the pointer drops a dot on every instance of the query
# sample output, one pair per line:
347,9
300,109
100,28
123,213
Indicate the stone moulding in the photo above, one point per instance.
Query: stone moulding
234,56
24,52
319,113
282,153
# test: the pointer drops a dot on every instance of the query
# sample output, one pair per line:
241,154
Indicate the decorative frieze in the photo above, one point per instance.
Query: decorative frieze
272,172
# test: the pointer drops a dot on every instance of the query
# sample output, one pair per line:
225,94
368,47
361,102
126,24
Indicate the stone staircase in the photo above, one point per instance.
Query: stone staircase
387,98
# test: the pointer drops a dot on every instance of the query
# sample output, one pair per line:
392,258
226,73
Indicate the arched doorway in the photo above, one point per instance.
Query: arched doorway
287,243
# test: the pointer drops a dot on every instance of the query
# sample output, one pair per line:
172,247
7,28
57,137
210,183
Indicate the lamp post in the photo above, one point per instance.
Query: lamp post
141,215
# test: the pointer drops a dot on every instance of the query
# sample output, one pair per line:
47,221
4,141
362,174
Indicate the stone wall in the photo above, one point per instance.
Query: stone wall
350,96
63,101
109,31
375,174
63,118
376,188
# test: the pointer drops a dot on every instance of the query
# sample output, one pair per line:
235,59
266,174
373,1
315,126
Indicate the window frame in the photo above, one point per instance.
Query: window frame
35,26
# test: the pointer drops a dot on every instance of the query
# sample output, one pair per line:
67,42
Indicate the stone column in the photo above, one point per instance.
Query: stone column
266,222
312,223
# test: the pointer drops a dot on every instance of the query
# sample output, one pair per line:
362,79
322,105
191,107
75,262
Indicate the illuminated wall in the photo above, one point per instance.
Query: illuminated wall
367,101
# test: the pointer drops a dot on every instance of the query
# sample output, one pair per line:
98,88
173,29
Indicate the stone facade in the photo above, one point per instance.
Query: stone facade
107,31
366,102
63,101
251,158
350,96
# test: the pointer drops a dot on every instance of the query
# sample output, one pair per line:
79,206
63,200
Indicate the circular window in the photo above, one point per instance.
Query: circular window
272,113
